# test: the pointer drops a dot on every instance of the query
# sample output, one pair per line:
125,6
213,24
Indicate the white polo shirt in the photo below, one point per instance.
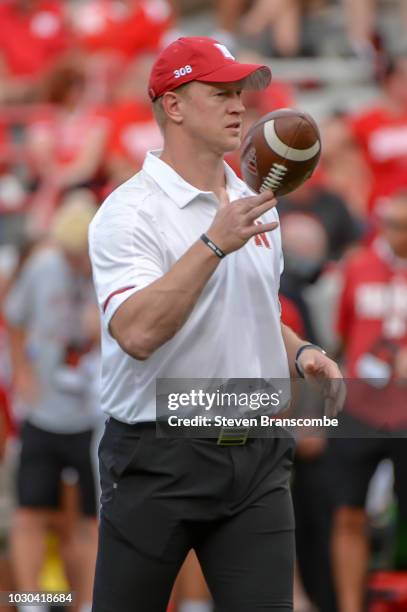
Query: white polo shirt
234,331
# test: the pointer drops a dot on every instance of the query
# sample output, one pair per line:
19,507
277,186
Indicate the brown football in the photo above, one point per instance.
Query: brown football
280,151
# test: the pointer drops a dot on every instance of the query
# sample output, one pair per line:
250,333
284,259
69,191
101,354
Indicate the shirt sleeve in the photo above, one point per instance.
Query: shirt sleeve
126,252
281,262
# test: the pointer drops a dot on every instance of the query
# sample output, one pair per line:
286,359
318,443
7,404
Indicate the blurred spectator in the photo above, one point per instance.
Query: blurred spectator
362,29
343,165
305,247
372,322
133,129
67,144
12,260
122,27
282,17
381,130
313,580
15,185
313,522
113,33
228,18
53,326
33,34
309,280
315,200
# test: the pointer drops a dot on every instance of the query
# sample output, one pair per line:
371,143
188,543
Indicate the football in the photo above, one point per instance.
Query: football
280,151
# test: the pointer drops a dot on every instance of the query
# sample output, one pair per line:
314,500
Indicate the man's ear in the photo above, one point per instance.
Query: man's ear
172,105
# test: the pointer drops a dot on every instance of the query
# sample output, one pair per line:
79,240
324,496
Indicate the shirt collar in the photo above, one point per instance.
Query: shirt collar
182,192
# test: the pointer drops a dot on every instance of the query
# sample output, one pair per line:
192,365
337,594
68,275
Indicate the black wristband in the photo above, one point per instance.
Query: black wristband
302,348
213,246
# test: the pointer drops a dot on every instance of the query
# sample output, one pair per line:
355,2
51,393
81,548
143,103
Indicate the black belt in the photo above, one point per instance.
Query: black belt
228,436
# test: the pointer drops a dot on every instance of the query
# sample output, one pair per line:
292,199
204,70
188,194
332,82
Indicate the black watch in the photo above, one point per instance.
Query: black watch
300,350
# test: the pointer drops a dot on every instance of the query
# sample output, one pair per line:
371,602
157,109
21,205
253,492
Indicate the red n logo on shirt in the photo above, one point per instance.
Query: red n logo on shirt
261,239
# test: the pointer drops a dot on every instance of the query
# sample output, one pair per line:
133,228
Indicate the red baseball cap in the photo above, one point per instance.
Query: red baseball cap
202,59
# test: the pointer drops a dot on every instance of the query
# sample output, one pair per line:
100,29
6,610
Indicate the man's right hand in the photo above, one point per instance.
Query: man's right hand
153,315
234,223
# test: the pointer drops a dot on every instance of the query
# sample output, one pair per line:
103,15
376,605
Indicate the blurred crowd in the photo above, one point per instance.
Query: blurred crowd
75,122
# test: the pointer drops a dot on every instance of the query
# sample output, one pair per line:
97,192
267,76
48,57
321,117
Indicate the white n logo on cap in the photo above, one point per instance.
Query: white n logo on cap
225,51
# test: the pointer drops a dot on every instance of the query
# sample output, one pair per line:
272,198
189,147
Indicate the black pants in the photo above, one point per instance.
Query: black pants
162,497
353,460
313,518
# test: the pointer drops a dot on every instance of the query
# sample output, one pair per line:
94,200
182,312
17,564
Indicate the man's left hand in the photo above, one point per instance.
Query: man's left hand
324,374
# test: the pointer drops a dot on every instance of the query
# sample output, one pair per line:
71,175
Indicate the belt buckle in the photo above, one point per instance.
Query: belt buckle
233,436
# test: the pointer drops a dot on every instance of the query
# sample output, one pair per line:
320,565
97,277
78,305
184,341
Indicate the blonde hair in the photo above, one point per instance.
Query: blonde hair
159,113
158,107
69,228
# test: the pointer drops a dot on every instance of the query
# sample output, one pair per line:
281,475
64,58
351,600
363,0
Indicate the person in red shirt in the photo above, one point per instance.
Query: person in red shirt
343,167
33,35
133,130
372,322
125,27
67,144
381,131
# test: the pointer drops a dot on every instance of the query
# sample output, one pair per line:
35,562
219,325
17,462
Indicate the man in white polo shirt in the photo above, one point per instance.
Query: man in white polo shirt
186,263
